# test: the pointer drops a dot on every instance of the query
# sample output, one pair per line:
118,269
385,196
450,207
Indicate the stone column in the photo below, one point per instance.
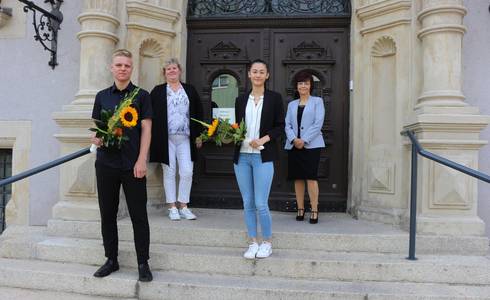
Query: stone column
98,37
446,125
442,34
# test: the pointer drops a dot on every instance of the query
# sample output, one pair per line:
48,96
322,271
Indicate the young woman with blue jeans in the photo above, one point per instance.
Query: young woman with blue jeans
263,112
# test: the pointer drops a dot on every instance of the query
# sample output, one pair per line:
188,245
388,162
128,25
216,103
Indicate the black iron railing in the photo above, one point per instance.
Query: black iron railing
418,149
44,167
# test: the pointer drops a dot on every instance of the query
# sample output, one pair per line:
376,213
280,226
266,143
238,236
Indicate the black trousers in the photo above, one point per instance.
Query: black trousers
109,182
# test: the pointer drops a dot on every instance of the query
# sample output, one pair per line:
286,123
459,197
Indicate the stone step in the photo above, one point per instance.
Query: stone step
287,263
335,232
51,277
28,294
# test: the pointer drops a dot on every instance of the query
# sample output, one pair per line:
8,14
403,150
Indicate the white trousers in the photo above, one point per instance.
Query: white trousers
179,153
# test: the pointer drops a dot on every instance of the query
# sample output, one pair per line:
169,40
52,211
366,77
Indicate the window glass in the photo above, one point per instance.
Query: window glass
223,95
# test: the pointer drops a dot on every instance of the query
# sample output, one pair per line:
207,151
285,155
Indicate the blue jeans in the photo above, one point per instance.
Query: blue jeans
254,180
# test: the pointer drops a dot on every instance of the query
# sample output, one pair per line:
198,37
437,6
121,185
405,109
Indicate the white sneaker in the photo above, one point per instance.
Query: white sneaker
265,250
252,251
187,214
173,214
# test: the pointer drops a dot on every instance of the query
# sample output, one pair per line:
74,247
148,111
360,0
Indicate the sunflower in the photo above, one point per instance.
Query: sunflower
128,116
212,127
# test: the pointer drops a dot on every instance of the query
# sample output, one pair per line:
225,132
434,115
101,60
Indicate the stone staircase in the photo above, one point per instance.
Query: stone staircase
339,258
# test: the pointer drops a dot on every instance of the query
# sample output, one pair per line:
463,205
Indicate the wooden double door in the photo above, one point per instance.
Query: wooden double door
217,67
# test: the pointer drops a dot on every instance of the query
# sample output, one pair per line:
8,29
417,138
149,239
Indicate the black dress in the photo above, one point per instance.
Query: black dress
303,163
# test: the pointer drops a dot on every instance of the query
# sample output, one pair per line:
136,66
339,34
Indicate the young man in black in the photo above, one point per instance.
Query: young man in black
125,166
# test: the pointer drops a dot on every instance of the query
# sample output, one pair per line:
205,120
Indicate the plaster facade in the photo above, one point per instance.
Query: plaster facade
30,92
476,63
407,70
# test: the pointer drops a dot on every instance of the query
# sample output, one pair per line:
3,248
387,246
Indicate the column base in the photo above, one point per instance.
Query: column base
447,225
382,215
76,211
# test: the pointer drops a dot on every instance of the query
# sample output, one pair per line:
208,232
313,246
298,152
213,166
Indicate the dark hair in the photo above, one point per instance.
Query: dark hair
258,61
303,76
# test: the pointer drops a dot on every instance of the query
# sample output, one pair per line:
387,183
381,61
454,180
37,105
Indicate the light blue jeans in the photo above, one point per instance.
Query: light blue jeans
254,180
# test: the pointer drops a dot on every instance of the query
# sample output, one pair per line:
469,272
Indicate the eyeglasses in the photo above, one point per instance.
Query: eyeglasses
304,83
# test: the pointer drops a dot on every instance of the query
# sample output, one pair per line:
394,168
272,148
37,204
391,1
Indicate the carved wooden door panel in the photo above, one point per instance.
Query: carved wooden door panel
212,54
224,54
324,53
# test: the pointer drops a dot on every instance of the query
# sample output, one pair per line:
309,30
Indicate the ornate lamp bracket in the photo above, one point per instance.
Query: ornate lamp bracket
46,26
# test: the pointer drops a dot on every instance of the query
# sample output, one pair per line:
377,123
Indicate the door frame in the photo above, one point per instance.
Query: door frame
283,22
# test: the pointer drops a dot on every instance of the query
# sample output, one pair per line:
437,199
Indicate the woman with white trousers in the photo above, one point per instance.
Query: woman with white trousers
174,137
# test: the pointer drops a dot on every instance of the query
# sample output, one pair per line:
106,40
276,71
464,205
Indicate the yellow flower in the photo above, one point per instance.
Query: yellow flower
212,128
128,116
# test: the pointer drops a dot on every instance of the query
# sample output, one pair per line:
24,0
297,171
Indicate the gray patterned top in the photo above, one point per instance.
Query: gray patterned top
178,112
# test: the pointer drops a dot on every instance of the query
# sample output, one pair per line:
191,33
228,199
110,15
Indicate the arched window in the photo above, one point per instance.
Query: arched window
223,95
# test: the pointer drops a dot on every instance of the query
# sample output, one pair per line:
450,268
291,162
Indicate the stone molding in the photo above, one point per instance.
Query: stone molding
98,34
108,6
434,10
16,135
14,24
150,47
152,29
382,8
98,17
441,28
384,46
5,16
383,15
146,10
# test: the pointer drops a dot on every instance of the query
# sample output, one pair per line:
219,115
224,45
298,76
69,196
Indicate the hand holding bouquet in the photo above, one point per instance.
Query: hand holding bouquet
222,132
112,124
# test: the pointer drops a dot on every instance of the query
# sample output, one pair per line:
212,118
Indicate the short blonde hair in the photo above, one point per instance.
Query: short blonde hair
171,61
122,52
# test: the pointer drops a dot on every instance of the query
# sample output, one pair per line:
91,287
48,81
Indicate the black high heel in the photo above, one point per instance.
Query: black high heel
301,214
314,220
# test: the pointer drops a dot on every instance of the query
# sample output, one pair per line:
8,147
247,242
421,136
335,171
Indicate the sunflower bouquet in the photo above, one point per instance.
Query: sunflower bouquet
220,131
110,128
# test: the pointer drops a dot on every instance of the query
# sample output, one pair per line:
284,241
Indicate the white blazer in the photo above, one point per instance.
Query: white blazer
311,123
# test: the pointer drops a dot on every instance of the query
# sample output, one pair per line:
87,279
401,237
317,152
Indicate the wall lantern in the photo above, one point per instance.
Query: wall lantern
46,26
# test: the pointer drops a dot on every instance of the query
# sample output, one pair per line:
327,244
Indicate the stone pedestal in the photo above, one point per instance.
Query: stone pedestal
446,125
382,77
98,37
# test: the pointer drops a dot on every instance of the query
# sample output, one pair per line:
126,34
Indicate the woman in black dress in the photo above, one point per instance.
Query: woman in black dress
304,140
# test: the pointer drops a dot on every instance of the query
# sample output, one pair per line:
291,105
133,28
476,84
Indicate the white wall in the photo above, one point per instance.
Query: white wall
476,76
31,90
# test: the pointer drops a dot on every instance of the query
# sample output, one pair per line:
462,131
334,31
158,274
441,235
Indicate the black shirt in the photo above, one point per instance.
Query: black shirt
301,109
108,99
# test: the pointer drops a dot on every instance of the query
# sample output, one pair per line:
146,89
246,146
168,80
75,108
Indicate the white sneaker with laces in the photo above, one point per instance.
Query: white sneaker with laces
187,214
265,250
251,251
173,214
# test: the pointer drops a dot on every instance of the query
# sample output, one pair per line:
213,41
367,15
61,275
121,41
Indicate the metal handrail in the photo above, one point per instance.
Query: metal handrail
418,149
46,166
